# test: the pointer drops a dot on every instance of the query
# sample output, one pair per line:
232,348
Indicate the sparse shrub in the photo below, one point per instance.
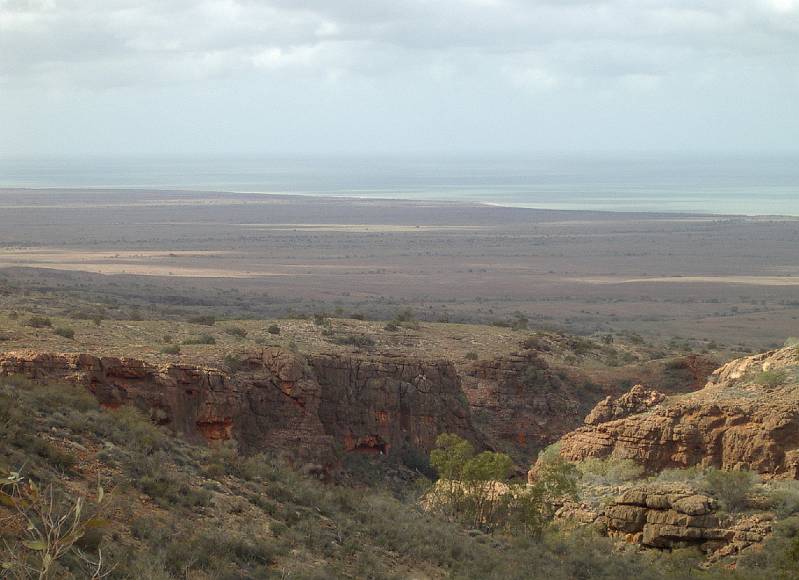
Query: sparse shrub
690,475
64,331
784,497
93,313
471,355
391,326
233,363
610,471
236,331
204,319
321,320
519,322
167,339
536,378
40,322
169,488
731,488
273,329
201,339
356,340
358,316
130,427
771,378
171,349
406,318
534,343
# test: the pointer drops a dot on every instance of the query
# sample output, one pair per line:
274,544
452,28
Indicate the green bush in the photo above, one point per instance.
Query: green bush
731,488
39,322
201,339
64,331
273,329
471,355
771,378
783,497
232,363
171,349
471,488
610,471
236,331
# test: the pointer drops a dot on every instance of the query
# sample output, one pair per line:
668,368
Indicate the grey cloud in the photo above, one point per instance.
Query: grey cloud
460,70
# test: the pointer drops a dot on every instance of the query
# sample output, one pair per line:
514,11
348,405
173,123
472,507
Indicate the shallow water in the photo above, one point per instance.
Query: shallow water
708,184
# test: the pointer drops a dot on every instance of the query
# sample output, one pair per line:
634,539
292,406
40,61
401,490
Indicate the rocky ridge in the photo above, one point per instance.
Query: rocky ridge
746,417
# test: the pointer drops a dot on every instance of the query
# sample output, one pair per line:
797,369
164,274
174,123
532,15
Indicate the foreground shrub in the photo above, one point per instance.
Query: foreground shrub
273,329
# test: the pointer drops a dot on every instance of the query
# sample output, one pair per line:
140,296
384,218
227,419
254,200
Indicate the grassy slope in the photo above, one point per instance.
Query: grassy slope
181,511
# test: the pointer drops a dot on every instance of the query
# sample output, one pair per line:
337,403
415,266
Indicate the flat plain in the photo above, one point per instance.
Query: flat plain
731,280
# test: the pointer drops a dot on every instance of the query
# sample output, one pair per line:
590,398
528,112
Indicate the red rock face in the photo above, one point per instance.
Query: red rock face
308,408
742,419
521,404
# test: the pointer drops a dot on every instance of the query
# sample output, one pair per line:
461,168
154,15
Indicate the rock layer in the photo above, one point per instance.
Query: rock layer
666,517
746,417
309,408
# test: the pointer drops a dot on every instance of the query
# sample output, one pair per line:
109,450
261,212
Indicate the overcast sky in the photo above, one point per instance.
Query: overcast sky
397,76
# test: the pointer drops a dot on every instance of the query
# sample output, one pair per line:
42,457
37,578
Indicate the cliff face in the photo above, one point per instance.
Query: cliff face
520,404
746,417
310,408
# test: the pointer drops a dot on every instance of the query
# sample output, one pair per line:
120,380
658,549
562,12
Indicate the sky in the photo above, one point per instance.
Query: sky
332,77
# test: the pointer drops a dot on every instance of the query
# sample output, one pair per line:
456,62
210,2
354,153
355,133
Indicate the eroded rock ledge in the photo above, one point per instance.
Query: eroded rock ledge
312,408
670,516
746,417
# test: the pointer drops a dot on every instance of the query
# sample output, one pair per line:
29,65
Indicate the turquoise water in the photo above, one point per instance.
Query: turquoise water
724,185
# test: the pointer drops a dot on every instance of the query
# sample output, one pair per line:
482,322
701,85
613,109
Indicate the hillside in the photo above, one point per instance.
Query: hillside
169,509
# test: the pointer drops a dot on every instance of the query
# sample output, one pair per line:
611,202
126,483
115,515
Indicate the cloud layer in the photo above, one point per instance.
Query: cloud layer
455,67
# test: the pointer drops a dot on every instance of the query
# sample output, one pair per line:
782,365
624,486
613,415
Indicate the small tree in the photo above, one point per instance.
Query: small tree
474,490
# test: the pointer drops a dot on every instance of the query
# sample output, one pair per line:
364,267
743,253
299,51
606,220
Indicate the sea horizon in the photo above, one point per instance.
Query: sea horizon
715,185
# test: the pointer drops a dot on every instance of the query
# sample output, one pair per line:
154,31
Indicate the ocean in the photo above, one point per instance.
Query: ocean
740,185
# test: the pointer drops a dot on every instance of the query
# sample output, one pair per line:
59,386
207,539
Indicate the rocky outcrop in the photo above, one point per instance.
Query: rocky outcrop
637,400
521,404
746,417
666,517
310,408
